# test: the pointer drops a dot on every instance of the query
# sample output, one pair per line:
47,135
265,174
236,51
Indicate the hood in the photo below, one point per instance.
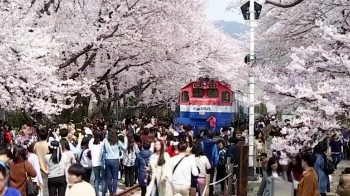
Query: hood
208,143
145,154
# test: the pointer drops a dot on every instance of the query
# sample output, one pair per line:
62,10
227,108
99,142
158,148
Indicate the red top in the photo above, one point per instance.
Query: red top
171,151
212,121
297,174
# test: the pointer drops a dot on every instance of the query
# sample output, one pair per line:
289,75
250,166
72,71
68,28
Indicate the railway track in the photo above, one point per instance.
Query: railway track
130,191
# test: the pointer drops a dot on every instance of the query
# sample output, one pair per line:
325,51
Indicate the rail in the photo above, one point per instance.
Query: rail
217,182
130,191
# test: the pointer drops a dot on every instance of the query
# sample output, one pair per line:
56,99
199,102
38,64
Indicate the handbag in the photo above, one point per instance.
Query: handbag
32,188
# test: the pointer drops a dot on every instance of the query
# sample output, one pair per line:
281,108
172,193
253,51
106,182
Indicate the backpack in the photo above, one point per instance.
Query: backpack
329,167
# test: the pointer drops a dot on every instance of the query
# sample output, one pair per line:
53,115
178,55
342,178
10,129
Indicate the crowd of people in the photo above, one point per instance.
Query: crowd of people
162,159
309,171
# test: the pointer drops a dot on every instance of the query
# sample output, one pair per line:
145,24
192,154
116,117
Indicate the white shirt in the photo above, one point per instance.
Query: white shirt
34,161
275,174
56,169
96,150
182,174
203,164
84,161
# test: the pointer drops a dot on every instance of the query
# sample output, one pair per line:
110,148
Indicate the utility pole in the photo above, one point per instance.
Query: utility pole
251,11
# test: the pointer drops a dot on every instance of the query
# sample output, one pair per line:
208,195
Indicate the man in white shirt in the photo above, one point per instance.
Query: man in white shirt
181,167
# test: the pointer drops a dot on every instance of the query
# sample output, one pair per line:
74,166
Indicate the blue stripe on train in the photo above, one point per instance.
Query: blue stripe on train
199,121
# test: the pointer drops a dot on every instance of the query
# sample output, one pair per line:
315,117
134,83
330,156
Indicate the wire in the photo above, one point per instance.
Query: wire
205,189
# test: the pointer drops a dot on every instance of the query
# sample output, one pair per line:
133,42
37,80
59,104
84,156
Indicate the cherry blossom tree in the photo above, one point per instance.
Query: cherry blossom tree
102,51
314,80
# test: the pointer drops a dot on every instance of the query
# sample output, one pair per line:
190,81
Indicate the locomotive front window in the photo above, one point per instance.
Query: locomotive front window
185,96
226,96
213,93
198,93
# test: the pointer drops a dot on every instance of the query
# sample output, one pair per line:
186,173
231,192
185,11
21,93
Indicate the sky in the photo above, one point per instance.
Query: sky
217,11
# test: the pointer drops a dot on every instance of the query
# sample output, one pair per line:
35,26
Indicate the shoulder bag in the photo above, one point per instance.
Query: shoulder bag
103,155
32,189
178,163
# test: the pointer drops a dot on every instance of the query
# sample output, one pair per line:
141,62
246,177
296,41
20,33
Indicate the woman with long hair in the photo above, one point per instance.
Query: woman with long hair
84,158
203,164
34,161
64,143
20,170
189,141
95,146
111,149
158,169
129,163
57,169
273,170
295,172
259,146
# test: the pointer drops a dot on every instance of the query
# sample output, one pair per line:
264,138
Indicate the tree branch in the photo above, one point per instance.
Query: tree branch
293,96
86,63
75,57
281,5
106,36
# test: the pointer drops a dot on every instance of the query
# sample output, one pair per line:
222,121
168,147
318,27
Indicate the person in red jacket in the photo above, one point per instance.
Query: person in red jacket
172,150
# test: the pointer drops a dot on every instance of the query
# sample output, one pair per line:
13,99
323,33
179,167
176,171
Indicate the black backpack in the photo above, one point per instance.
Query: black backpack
329,167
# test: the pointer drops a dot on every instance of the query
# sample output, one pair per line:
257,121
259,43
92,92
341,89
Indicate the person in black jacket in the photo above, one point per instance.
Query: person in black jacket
233,150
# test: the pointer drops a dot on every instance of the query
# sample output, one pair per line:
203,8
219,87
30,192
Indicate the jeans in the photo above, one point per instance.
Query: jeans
97,181
129,175
57,186
336,159
110,176
87,175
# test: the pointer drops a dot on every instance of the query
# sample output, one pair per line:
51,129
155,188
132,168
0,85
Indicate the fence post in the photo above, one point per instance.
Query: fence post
229,189
193,191
228,183
207,182
242,184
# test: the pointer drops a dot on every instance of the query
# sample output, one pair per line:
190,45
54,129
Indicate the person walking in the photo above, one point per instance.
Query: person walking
110,157
181,168
20,170
308,185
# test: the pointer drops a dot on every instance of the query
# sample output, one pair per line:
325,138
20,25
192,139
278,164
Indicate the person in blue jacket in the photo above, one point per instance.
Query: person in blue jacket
4,190
212,152
142,159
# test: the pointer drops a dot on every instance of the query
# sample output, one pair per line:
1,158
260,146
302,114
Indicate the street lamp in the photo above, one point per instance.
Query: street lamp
251,12
246,13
